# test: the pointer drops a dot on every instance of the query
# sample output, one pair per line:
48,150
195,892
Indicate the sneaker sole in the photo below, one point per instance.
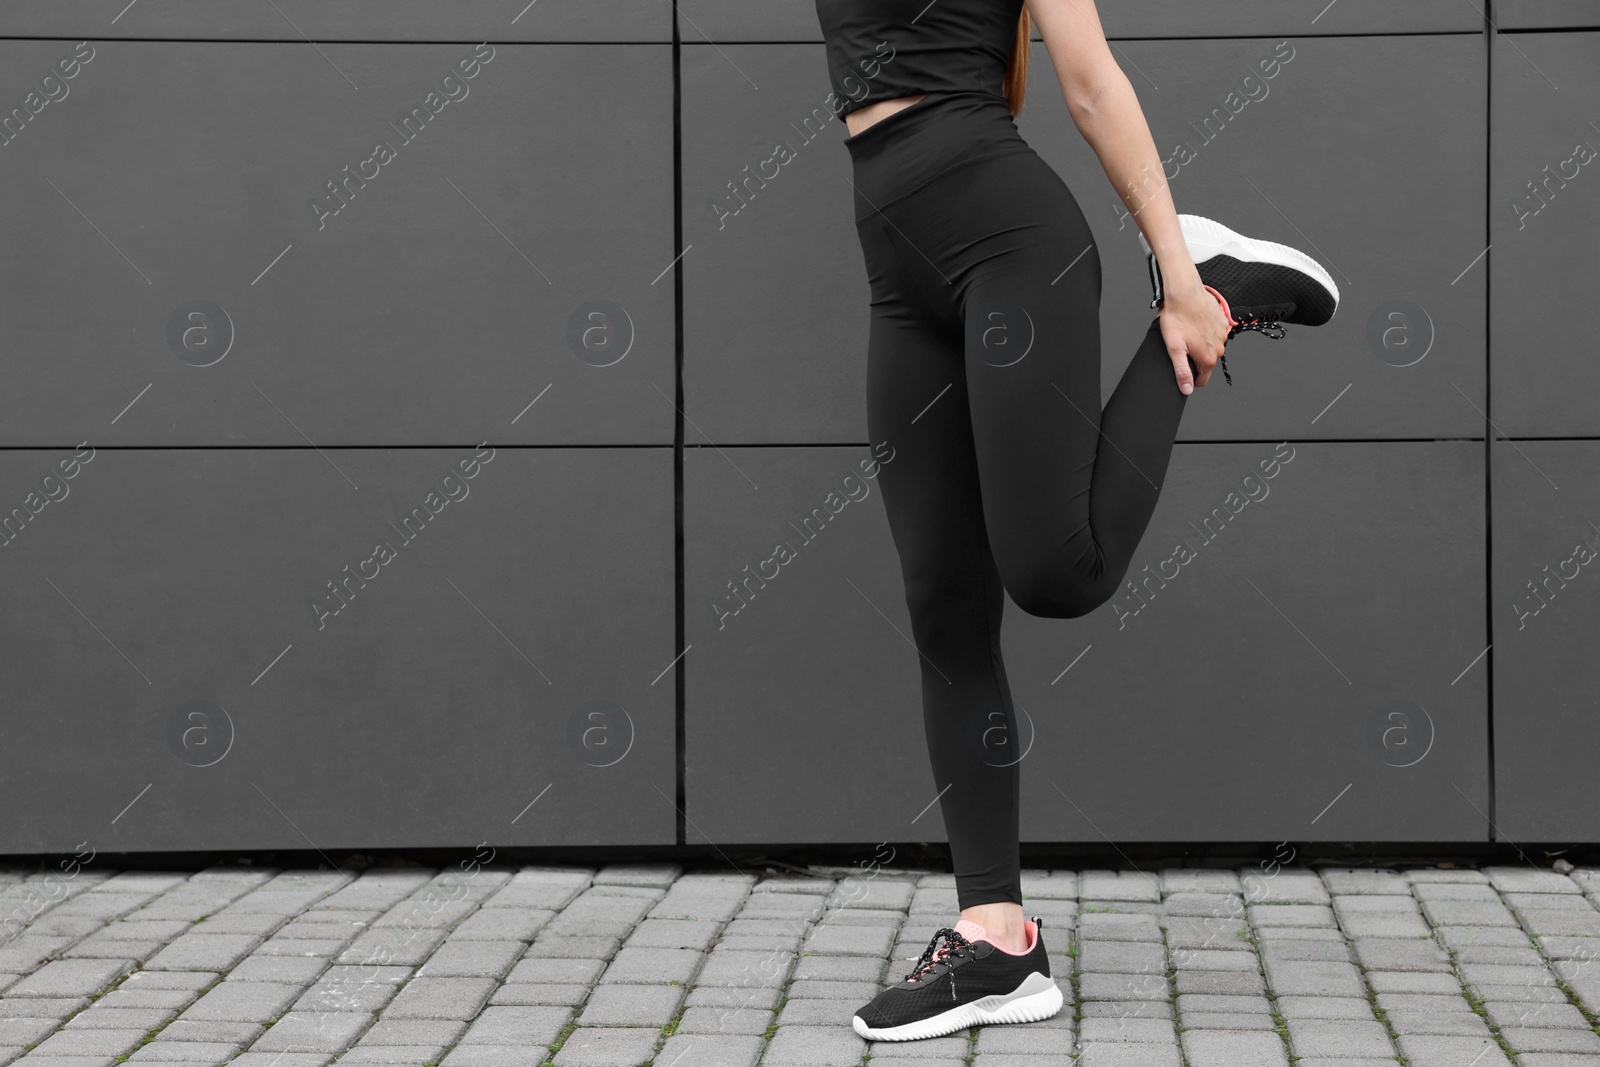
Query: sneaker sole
1038,997
1208,238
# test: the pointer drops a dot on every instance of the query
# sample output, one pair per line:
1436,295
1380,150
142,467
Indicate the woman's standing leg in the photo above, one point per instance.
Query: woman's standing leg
917,402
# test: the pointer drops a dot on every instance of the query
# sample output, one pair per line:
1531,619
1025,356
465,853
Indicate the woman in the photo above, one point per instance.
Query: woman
983,373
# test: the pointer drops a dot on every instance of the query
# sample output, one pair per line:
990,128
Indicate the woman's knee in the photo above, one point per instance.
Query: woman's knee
1061,593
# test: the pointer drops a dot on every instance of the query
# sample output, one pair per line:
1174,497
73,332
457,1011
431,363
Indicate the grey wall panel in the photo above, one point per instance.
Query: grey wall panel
796,20
1544,210
775,289
1241,699
451,691
446,294
1546,624
1546,14
347,20
776,294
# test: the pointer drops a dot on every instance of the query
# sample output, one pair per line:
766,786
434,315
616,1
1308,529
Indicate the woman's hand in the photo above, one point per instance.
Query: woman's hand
1194,328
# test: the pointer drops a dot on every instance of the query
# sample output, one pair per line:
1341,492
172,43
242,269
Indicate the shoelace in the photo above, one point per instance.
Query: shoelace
935,954
1265,328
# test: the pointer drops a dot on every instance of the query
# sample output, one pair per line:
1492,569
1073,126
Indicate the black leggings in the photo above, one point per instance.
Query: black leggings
983,374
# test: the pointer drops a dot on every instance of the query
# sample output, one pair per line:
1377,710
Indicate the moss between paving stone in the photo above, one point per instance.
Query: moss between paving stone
561,1039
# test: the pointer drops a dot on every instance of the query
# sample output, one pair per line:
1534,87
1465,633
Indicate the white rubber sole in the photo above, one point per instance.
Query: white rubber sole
1207,238
1036,998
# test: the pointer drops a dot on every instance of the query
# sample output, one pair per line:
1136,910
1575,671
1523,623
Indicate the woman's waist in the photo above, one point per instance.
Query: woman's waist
910,147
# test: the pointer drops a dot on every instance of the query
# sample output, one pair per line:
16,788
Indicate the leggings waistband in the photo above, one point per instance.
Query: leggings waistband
897,155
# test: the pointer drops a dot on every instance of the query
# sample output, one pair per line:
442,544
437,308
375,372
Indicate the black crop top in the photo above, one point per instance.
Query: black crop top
883,49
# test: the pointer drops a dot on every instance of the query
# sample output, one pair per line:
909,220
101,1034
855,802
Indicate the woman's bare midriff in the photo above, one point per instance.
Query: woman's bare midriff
861,118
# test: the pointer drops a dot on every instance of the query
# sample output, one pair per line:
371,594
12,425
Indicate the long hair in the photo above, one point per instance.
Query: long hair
1017,72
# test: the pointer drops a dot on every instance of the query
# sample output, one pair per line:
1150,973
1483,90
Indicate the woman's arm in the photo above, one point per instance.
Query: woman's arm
1106,111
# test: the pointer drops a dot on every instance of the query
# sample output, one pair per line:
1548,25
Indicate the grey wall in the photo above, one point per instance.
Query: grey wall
667,379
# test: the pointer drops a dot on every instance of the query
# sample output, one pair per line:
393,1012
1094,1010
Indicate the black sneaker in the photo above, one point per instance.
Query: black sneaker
1260,284
965,982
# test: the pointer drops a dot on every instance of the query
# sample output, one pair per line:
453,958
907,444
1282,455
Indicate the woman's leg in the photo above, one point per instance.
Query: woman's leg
1068,489
917,402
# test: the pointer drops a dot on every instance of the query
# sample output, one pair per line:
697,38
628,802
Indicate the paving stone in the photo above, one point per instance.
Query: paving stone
953,1047
1322,951
185,1052
230,1001
1545,1039
1234,1048
1423,1002
393,947
1263,916
1119,885
1123,987
1412,982
494,1056
1505,1014
1424,1051
300,971
203,952
52,1008
1222,1020
1365,880
810,989
1325,1008
281,1059
693,934
441,998
738,968
813,1046
516,1025
1557,1059
764,997
414,1032
710,1050
1385,925
393,1055
842,940
618,1047
1212,1002
1111,927
545,993
655,875
23,1031
112,1018
1176,880
879,894
1121,1009
1338,1037
353,988
1215,932
1509,879
1491,974
1111,1055
1306,978
1401,954
1540,993
1440,875
1122,957
88,1043
632,1005
1215,908
502,924
1468,913
1160,1031
1457,937
1215,960
301,1031
1444,1023
726,1020
653,966
1505,955
1224,983
472,959
70,978
1282,886
1450,891
224,1032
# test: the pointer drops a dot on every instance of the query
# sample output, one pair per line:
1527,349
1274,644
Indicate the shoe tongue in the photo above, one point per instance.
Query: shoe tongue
971,930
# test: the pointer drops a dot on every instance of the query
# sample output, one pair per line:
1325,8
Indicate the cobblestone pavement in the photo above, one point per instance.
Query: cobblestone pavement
474,966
